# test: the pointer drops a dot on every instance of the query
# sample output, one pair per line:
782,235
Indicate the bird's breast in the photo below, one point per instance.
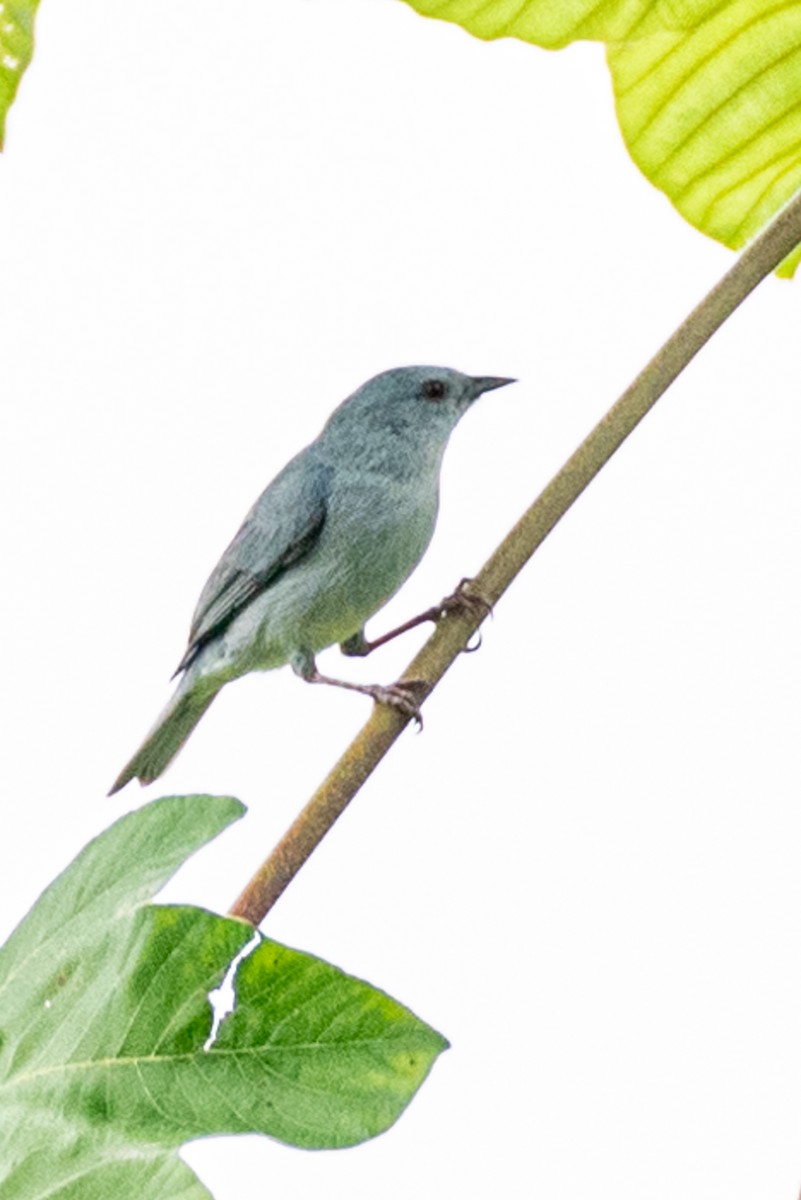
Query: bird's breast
378,531
373,537
374,534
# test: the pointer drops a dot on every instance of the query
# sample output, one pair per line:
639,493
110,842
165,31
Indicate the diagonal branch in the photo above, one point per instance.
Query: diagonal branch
453,634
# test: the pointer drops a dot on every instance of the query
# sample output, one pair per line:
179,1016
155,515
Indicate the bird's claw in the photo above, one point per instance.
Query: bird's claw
470,648
406,696
464,601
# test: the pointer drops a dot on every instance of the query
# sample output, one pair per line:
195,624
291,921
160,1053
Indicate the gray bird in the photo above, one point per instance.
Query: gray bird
328,542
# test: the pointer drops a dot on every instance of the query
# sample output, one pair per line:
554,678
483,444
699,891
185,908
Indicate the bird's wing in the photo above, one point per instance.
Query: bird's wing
282,526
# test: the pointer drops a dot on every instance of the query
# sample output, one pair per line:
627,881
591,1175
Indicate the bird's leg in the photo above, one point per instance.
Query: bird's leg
406,695
462,600
357,645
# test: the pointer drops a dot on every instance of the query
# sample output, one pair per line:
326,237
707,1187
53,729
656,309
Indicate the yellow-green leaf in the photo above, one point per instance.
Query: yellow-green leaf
16,48
713,117
553,25
708,94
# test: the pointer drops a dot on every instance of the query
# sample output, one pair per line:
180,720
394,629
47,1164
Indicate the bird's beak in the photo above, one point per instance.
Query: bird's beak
488,383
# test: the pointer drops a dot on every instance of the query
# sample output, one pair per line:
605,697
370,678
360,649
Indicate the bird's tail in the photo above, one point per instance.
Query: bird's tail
167,736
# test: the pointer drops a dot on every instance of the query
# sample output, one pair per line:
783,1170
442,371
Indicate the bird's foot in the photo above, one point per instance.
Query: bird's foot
464,601
406,696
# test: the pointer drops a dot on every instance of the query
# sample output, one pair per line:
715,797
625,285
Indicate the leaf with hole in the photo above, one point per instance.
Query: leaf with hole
107,1061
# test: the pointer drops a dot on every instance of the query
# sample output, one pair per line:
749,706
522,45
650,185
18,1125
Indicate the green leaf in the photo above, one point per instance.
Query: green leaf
553,24
108,1062
708,94
713,117
16,49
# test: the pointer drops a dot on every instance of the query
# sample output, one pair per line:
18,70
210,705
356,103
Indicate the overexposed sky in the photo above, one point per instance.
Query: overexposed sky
216,224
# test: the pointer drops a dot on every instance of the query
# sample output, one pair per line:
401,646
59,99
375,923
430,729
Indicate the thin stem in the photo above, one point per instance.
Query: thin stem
453,634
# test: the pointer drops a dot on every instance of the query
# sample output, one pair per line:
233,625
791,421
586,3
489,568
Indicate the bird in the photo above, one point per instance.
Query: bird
325,546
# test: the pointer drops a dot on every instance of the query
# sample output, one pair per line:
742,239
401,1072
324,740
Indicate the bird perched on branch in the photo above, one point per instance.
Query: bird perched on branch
328,542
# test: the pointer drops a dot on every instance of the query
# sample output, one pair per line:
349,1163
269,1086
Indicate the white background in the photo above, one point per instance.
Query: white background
217,221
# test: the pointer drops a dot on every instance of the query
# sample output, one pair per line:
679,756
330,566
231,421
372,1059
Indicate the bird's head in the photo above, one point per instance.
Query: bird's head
417,406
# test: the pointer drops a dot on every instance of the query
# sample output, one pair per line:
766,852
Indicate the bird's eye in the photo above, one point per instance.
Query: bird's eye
433,389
